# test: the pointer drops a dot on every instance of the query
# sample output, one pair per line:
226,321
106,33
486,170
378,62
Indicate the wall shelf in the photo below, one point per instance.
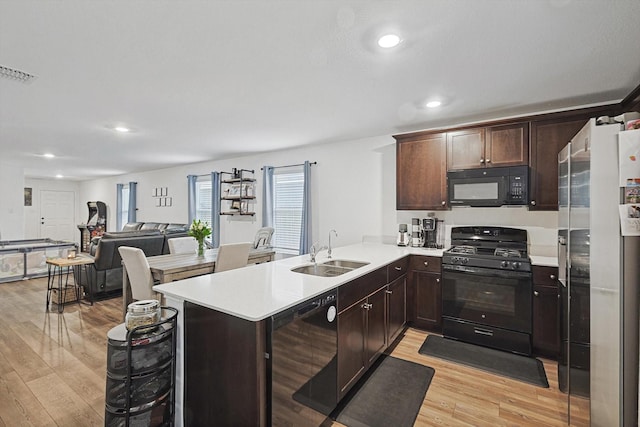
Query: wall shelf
237,189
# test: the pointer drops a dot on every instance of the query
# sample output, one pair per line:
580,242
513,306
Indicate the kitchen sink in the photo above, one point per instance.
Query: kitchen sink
321,270
345,263
331,268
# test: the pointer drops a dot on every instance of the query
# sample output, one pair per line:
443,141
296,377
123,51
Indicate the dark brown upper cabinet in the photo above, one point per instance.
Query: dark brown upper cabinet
496,146
421,179
547,139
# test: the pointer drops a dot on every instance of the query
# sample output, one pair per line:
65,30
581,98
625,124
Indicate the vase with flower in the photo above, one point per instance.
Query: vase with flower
199,230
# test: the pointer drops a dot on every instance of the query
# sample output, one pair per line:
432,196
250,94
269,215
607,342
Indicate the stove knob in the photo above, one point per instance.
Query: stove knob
516,265
465,260
504,264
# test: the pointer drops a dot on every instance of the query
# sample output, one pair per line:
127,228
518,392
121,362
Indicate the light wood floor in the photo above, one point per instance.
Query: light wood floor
53,369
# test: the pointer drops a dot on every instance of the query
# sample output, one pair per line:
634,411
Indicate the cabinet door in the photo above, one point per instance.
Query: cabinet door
376,341
351,346
397,307
421,180
507,145
428,300
465,149
545,337
547,139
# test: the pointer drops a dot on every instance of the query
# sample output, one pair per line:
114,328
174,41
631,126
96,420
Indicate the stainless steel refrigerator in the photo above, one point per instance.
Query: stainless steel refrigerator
599,275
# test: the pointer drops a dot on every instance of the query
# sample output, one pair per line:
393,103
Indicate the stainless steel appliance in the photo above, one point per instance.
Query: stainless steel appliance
433,231
303,341
486,187
403,235
487,288
599,275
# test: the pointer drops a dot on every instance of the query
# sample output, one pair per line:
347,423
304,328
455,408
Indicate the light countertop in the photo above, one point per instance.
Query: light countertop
544,261
258,291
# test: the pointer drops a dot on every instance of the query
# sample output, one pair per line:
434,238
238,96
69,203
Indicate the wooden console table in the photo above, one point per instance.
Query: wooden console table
168,268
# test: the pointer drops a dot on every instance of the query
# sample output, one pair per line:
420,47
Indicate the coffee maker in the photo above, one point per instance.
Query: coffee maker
403,235
433,230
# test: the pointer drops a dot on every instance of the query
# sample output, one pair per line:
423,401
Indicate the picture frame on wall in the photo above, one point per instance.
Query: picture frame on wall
235,205
167,201
158,202
234,190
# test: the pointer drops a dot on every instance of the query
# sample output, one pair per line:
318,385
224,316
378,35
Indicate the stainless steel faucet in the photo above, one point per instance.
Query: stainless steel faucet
314,250
329,248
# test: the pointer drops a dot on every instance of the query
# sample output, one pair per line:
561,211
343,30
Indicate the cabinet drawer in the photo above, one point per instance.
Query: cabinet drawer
397,269
426,263
359,288
545,276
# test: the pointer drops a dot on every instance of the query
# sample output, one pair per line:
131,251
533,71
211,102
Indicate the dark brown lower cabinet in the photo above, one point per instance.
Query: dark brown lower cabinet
426,292
546,311
361,338
397,308
225,369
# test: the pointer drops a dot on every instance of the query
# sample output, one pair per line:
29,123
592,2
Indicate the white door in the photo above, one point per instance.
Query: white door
57,215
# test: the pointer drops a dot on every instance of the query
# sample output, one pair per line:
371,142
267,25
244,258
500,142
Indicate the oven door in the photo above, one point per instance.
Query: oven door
499,298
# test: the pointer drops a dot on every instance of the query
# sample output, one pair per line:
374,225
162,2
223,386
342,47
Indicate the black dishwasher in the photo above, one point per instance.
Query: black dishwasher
303,342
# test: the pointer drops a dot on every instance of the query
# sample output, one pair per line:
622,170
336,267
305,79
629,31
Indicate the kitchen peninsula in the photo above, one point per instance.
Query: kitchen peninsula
233,308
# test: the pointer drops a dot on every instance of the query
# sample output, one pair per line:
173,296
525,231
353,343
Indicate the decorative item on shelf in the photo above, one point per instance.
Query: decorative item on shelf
237,188
199,230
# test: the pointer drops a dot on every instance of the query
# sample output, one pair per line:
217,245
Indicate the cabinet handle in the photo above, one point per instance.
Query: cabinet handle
536,293
398,268
388,292
367,306
426,263
438,280
488,161
552,277
481,161
533,203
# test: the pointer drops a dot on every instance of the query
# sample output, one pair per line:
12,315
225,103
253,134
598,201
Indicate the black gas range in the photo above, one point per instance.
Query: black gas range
487,288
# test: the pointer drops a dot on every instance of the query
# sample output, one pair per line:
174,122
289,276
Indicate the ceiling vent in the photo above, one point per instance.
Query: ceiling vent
17,75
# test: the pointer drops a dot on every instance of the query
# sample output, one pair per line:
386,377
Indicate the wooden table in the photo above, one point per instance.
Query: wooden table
55,267
168,268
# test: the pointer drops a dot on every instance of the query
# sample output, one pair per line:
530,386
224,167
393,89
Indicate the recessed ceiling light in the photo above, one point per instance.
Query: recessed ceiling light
433,104
48,155
59,176
389,40
121,129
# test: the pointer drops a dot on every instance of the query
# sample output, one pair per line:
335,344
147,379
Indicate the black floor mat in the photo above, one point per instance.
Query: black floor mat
523,368
391,394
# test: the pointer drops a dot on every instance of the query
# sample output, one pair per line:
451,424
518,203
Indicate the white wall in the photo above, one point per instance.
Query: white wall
353,188
11,202
32,213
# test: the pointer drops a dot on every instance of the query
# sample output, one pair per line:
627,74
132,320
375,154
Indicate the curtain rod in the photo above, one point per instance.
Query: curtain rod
290,166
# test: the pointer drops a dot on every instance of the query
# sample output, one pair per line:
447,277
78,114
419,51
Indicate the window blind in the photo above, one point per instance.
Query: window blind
288,194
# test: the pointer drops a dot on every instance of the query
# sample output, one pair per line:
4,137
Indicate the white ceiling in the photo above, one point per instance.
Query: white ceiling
201,80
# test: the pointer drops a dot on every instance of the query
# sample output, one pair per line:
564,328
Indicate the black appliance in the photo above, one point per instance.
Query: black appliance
489,186
430,227
303,341
487,288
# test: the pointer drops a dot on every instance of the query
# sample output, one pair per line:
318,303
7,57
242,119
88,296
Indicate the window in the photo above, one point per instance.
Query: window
203,199
288,191
123,214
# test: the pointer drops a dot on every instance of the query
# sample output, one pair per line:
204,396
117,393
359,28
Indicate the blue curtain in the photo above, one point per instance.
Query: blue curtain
267,196
191,201
119,206
132,202
305,228
215,209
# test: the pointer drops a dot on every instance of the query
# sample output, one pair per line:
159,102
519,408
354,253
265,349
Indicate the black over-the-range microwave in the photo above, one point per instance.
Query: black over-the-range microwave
489,186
